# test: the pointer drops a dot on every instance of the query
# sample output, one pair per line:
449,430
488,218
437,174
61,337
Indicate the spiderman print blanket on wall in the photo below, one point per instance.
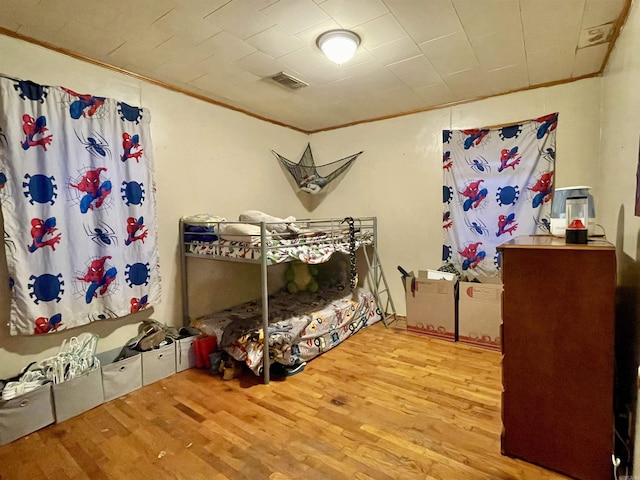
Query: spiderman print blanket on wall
78,201
498,183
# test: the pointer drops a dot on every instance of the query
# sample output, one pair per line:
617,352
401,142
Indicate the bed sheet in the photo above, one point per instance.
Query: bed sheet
310,247
301,325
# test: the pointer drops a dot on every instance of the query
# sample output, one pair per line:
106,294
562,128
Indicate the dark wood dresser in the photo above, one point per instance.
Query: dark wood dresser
558,314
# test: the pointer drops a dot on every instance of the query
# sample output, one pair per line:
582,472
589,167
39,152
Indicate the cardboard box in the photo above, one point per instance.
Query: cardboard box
431,304
480,313
25,414
78,395
158,363
123,376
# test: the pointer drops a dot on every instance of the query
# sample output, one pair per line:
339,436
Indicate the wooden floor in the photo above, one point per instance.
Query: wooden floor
386,405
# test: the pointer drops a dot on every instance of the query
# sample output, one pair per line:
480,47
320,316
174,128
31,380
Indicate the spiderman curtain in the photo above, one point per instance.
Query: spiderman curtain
78,202
498,183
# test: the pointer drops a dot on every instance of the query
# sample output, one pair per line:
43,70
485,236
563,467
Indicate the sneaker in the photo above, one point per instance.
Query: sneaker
231,370
279,370
293,369
151,341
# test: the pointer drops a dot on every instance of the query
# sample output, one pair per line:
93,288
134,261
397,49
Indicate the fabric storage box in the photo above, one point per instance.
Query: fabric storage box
121,372
185,353
25,414
78,395
431,304
158,363
480,312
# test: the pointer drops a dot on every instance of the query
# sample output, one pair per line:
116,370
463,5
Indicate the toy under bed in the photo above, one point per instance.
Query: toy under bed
301,325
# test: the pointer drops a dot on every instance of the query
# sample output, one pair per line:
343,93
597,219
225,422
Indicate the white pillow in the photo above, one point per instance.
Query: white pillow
279,225
240,232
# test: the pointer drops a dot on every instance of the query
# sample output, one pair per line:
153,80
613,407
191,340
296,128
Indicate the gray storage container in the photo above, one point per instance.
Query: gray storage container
185,353
122,376
78,395
25,414
158,363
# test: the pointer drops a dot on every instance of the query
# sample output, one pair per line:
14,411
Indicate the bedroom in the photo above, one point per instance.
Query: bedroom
398,178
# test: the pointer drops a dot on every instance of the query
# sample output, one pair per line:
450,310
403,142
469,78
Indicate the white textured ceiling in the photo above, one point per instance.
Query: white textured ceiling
415,54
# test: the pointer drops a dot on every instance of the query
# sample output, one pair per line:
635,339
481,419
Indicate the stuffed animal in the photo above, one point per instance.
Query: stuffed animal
278,225
300,277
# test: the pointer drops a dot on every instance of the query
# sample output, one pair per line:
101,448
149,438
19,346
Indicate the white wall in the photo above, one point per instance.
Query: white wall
399,176
620,135
208,159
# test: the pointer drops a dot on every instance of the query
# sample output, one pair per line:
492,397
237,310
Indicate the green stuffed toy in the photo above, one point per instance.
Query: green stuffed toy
300,277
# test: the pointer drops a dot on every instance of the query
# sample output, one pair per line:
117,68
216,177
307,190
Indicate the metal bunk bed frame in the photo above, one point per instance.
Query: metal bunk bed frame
376,280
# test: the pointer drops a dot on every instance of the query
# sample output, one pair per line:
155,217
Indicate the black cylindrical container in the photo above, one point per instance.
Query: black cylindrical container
576,236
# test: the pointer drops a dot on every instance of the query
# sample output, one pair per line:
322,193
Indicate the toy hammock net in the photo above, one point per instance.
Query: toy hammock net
306,174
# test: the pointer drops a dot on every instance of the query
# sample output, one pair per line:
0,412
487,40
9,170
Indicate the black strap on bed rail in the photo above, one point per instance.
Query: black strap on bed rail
353,277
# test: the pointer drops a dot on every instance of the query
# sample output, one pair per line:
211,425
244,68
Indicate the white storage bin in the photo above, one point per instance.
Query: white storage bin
25,414
158,363
122,376
185,353
78,395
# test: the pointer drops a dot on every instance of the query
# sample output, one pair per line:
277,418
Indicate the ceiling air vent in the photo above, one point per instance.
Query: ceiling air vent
288,81
595,35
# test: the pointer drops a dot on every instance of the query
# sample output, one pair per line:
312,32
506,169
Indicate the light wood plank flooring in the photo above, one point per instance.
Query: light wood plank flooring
386,405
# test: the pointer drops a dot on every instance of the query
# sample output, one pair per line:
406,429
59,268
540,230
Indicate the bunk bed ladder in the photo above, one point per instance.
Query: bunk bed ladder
379,286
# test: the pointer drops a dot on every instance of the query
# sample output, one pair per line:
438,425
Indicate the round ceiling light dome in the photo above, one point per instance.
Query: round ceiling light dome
338,45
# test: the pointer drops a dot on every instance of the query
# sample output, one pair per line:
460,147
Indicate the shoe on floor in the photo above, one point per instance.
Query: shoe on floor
279,370
293,369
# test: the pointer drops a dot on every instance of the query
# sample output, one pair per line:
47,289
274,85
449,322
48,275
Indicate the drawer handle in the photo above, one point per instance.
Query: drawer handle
122,368
24,403
160,356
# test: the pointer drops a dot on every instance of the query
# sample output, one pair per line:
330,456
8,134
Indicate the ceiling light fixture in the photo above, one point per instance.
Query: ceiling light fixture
338,45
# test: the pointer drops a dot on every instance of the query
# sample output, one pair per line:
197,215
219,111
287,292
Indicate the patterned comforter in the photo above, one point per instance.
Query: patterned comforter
311,248
301,325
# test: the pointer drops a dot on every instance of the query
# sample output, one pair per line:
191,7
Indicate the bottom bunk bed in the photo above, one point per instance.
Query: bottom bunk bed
302,325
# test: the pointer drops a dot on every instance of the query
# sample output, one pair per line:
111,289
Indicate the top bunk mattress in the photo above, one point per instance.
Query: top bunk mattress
314,243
